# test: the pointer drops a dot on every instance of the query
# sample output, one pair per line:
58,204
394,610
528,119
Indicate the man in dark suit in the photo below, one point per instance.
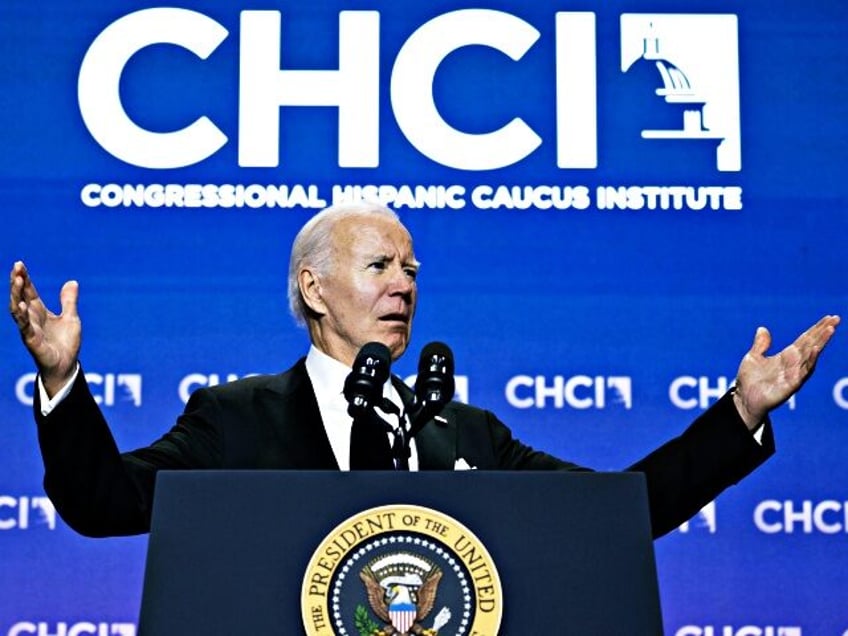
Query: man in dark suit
352,281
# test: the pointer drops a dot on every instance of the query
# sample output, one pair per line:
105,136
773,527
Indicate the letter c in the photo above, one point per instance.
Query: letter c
412,89
512,389
759,516
98,88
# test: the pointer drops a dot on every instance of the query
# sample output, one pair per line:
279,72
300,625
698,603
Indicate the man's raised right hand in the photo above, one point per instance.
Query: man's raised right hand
52,341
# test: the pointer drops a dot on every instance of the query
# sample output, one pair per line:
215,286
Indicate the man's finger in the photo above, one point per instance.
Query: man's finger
68,297
18,269
762,341
18,307
16,283
819,334
14,298
25,290
23,319
827,328
20,314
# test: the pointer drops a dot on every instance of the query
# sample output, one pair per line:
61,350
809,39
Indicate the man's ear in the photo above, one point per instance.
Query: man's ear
309,284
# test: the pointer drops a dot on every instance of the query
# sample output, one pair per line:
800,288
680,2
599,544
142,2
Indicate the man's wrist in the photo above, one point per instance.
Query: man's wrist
53,382
50,399
754,423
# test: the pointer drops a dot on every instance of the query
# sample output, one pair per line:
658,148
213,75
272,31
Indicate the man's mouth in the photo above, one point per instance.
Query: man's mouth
395,318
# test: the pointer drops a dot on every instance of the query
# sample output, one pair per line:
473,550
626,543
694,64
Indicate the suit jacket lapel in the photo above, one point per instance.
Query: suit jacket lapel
301,439
296,421
436,445
436,441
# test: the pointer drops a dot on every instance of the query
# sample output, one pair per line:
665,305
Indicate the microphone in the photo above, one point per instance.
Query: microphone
435,385
363,387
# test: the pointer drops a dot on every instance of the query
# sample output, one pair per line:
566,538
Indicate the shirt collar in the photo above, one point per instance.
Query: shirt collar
328,376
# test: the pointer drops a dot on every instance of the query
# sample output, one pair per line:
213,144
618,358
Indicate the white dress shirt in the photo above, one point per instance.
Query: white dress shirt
328,376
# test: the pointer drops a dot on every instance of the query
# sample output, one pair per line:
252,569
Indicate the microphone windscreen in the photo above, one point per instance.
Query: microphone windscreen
436,354
374,355
364,385
435,382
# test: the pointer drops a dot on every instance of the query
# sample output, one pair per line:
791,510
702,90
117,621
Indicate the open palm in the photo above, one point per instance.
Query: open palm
765,382
52,340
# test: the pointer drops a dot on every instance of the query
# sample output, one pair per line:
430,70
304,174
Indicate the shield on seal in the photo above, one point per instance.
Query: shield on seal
402,615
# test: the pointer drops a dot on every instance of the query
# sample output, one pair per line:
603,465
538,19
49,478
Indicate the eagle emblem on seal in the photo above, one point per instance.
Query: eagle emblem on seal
401,589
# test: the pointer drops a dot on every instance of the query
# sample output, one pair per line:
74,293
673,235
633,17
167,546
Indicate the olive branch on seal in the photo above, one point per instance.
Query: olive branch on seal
363,622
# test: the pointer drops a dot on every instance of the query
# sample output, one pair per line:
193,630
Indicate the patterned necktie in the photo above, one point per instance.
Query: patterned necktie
369,444
400,449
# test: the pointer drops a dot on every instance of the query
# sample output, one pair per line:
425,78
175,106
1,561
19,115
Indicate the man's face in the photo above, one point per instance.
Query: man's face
369,294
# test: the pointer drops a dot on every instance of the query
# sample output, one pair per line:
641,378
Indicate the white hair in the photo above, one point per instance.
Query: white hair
313,247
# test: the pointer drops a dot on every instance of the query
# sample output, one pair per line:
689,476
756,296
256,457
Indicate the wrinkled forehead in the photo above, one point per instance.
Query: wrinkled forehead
373,236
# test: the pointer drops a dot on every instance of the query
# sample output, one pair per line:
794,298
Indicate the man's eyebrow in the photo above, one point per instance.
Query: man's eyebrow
383,257
367,256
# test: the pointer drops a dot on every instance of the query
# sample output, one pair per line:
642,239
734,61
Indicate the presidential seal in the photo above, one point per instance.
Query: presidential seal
401,570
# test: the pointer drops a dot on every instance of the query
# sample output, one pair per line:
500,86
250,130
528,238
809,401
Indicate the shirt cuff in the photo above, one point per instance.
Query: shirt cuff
48,404
758,433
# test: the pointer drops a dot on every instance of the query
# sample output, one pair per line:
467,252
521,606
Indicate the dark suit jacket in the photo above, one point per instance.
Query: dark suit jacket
273,422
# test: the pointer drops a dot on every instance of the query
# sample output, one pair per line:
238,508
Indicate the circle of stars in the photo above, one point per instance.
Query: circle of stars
400,541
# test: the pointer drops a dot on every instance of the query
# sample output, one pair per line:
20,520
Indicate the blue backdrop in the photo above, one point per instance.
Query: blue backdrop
607,199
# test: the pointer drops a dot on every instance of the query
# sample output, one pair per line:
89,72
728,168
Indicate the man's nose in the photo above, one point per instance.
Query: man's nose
402,283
